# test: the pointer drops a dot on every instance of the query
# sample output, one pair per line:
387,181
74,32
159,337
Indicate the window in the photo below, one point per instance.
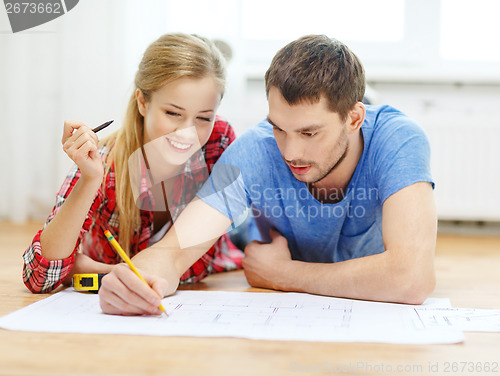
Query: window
470,30
361,20
397,40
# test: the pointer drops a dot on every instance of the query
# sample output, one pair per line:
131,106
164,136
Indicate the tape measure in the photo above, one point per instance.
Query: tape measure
89,282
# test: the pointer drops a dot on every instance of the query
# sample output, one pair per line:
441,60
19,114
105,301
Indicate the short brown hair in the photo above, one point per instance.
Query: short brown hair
316,65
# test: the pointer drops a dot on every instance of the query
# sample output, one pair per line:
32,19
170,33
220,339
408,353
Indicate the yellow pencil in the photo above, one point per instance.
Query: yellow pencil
125,258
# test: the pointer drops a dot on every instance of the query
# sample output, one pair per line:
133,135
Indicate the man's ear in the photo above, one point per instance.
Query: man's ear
141,102
356,117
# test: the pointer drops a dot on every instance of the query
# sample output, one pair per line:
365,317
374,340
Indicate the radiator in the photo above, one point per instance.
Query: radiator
465,164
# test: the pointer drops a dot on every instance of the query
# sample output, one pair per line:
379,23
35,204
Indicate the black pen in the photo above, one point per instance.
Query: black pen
102,126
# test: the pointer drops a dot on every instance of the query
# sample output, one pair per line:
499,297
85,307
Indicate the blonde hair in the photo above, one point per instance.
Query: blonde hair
170,57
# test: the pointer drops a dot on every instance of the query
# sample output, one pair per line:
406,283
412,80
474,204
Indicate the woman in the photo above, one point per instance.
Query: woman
136,181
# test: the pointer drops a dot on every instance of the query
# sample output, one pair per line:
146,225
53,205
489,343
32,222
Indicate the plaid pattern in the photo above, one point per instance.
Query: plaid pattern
41,275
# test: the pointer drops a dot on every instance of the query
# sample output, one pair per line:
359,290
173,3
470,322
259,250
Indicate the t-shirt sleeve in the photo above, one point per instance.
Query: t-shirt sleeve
225,189
402,156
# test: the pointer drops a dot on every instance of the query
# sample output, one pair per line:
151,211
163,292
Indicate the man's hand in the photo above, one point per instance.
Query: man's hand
266,265
123,293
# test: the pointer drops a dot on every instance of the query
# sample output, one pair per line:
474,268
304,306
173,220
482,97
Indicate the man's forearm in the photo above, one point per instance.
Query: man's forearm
380,277
159,261
167,260
194,232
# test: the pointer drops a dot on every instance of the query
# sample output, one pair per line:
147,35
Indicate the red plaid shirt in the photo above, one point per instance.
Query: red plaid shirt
41,275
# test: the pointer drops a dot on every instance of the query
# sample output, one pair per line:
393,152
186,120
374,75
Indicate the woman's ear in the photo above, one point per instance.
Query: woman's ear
141,102
356,117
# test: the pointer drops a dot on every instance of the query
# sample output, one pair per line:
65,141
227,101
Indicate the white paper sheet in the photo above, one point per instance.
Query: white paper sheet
270,316
466,319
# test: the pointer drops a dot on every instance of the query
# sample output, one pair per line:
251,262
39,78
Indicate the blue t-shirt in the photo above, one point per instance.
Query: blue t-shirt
252,174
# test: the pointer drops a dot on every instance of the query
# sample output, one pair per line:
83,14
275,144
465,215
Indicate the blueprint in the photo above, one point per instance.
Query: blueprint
267,316
466,319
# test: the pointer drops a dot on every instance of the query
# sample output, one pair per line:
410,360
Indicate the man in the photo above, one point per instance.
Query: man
342,194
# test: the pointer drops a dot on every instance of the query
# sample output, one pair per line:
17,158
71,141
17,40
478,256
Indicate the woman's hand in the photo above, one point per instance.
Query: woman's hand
122,292
59,237
81,145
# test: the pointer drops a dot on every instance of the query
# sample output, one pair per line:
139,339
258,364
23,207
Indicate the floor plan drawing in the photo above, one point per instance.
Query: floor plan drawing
270,316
